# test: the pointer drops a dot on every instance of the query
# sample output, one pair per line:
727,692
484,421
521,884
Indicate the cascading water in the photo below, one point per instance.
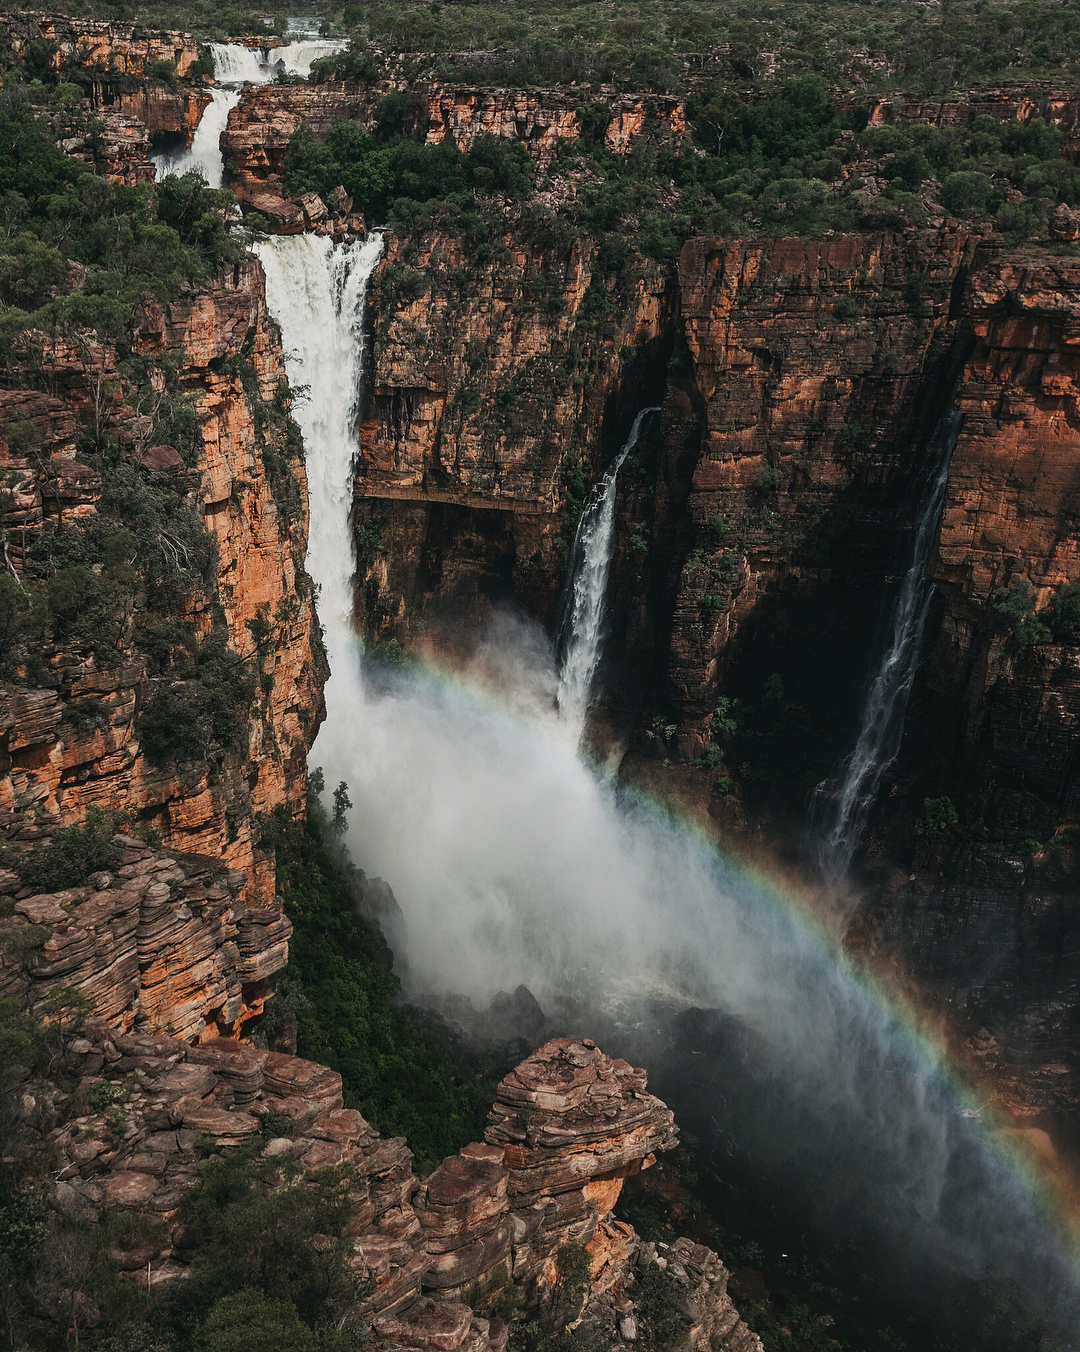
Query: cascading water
582,626
316,291
513,862
234,66
204,154
297,57
847,804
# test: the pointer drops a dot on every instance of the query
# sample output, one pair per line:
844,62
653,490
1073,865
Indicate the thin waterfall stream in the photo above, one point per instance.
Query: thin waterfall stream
583,623
513,862
847,802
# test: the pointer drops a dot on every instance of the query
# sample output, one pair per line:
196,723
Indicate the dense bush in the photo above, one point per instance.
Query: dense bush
377,170
73,854
201,708
133,242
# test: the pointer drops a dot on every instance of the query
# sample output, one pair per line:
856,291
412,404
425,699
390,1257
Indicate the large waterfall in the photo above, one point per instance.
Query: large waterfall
881,728
234,66
316,290
513,862
582,626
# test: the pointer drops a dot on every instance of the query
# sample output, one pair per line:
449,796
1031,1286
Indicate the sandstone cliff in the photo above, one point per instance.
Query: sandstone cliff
247,481
568,1125
989,914
159,943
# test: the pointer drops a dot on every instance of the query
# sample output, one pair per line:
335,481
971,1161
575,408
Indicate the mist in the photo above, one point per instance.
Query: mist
514,861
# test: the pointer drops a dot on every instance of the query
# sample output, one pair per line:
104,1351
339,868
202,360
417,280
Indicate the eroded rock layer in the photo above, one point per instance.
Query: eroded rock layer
247,481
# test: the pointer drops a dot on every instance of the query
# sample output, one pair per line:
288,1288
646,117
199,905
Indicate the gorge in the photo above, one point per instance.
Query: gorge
615,558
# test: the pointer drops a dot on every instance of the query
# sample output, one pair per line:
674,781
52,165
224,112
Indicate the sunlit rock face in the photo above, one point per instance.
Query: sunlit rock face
159,943
218,334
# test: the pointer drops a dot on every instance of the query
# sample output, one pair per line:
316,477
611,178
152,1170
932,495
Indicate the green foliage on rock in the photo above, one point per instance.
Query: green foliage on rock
73,854
346,997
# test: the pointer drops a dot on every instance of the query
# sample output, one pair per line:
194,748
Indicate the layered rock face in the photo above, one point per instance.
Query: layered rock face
264,120
489,379
50,756
112,46
568,1125
159,943
990,914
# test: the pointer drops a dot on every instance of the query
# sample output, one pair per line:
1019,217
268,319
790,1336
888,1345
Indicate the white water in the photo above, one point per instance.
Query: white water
513,862
590,563
881,729
204,154
234,66
316,290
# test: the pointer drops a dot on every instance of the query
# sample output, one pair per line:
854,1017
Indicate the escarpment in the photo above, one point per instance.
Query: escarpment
99,717
763,527
489,380
989,912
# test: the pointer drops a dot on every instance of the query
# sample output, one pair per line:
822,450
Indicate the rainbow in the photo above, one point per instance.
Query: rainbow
921,1032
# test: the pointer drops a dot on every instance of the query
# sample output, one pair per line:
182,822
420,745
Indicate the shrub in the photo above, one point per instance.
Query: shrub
202,711
659,1308
966,192
938,816
250,1319
73,854
1065,614
1013,608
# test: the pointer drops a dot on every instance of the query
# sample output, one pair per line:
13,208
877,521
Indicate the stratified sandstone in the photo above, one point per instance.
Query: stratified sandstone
113,47
426,1252
160,944
59,762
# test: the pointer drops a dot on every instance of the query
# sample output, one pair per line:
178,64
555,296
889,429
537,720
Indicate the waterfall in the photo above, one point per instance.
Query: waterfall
297,57
848,803
514,862
582,626
204,154
235,65
316,291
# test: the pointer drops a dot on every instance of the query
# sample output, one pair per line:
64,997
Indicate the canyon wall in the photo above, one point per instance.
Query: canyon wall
493,374
989,914
247,483
763,526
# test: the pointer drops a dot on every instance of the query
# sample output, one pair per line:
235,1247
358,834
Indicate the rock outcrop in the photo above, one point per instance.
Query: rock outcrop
247,481
160,943
262,123
569,1124
109,46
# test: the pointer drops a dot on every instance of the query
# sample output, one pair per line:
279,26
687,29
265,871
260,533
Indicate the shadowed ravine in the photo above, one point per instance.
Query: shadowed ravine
513,862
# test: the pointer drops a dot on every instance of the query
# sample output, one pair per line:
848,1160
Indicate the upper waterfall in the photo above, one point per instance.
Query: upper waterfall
848,804
236,65
581,628
204,154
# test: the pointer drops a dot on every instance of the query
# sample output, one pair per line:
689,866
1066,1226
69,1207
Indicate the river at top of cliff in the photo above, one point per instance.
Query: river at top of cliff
514,862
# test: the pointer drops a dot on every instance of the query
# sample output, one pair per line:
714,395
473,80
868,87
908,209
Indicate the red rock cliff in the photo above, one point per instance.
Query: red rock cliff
48,756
